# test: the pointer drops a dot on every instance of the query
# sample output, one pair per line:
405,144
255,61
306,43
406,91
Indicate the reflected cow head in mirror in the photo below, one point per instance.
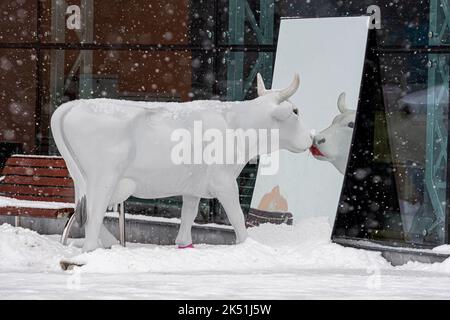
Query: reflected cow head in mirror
285,116
333,143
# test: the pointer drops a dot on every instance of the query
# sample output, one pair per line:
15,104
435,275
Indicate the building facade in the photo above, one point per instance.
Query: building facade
53,51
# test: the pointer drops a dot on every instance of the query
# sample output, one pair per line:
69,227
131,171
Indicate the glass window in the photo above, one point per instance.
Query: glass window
173,22
236,72
402,23
118,74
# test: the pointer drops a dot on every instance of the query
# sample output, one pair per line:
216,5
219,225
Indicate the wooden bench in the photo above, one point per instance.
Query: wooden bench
41,187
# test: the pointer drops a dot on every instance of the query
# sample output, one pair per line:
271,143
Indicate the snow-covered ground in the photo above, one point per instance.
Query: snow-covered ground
277,262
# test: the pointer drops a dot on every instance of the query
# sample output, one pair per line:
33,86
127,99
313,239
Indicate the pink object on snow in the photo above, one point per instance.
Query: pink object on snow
189,246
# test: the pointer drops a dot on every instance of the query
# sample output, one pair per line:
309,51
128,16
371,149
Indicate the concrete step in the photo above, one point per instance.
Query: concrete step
138,229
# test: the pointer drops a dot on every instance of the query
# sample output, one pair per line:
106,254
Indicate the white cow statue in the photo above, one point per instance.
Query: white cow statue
333,143
115,149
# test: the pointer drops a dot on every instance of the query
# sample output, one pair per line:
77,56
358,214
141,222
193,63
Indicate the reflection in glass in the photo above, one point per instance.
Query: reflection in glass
395,189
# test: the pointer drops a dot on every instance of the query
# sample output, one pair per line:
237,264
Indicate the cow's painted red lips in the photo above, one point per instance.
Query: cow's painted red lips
316,152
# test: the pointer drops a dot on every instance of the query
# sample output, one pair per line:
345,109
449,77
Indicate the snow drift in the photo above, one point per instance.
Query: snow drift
277,261
270,247
25,250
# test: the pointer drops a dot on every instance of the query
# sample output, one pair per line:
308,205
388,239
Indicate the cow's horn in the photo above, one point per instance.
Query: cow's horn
260,83
341,103
289,91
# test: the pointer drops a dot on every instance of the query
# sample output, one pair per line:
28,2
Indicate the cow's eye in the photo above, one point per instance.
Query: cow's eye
351,125
296,111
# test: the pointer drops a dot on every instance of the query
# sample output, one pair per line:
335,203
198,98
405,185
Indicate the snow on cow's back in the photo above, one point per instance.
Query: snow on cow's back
127,109
108,108
192,110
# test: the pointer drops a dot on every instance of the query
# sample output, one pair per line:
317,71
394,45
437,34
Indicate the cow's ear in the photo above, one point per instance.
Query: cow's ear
260,85
341,103
282,112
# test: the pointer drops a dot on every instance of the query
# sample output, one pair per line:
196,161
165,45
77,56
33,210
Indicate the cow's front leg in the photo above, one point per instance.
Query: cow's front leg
189,211
228,196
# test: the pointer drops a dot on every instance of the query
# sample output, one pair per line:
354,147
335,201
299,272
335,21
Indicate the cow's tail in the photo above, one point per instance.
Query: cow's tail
73,165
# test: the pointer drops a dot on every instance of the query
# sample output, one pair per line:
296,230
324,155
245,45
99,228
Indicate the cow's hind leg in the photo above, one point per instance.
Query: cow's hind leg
189,211
97,200
107,239
122,191
228,195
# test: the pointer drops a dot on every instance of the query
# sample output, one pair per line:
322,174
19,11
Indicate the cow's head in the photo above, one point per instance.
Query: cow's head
333,143
285,116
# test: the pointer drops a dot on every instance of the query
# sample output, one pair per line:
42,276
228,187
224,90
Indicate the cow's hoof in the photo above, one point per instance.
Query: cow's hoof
88,247
189,246
241,238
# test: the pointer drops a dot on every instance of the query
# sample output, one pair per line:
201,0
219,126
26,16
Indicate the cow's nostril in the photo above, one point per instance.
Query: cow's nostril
321,141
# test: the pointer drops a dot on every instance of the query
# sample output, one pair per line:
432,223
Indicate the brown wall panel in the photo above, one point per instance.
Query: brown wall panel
18,97
18,21
129,22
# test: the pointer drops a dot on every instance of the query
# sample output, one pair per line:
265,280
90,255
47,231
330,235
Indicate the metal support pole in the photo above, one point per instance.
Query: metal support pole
57,60
87,36
437,131
121,207
83,63
239,12
67,227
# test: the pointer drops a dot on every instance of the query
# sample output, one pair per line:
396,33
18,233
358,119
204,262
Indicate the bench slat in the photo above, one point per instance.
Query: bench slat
42,172
36,162
36,212
42,198
14,190
39,181
44,179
